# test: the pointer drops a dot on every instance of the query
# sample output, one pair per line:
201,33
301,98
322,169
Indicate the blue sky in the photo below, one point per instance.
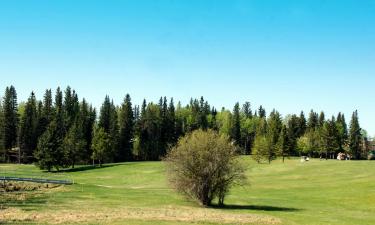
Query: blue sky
288,55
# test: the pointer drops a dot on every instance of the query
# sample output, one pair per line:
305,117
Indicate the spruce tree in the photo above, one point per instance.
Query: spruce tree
302,124
50,153
101,146
2,149
312,122
74,144
171,121
236,125
342,129
246,109
126,119
28,130
86,120
261,112
282,146
355,137
11,121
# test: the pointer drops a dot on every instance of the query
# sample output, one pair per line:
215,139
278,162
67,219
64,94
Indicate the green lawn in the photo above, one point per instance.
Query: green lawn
316,192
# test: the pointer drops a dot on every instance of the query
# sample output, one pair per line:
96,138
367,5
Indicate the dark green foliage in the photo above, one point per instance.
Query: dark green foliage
108,120
11,122
236,124
28,130
126,119
355,137
74,144
50,153
71,107
150,133
101,146
302,124
312,122
2,149
282,146
246,109
293,133
60,132
261,112
342,129
329,143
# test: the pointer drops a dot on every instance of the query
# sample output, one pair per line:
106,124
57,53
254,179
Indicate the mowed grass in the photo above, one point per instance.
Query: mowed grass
315,192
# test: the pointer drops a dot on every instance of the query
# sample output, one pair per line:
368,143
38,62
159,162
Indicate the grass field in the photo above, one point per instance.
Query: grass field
316,192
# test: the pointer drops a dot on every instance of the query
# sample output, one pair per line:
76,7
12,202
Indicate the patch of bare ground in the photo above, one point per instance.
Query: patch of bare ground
105,216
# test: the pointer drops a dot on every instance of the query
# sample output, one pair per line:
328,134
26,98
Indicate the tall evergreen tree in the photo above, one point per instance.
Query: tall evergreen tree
86,121
261,112
126,119
293,133
149,134
321,119
2,149
71,107
329,139
236,124
274,126
302,124
50,152
171,121
355,137
342,129
246,109
11,121
282,146
312,122
28,130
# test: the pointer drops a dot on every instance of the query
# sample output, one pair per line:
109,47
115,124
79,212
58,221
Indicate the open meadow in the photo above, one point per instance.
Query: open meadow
315,192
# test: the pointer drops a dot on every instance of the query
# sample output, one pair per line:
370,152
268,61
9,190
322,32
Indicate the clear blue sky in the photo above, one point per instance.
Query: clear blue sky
288,55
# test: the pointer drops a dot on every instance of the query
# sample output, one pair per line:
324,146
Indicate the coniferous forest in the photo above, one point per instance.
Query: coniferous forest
62,130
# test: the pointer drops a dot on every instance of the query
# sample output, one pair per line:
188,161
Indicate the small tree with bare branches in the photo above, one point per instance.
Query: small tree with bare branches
204,166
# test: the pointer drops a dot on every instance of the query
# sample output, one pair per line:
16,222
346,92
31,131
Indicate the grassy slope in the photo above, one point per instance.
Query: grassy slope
317,192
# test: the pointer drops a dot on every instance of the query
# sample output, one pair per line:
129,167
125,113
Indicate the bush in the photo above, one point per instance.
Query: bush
204,165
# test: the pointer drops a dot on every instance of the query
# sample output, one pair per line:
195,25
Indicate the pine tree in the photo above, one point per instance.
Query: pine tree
108,120
274,126
203,113
321,119
126,119
302,124
293,133
329,139
261,112
355,137
86,120
246,109
28,130
101,145
312,122
342,129
2,149
11,121
282,145
149,133
49,153
236,125
105,115
71,107
74,144
171,121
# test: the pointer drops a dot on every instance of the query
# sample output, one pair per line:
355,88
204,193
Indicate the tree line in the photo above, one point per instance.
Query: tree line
61,131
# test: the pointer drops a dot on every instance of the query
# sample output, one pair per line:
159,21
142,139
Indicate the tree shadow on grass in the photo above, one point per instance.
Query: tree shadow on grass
256,207
84,168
